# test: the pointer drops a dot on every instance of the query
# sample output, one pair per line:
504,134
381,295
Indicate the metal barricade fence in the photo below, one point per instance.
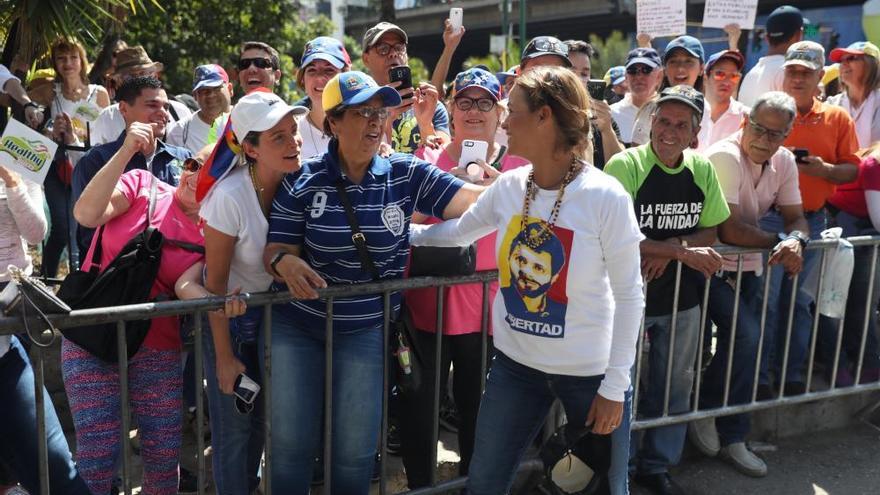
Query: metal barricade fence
10,325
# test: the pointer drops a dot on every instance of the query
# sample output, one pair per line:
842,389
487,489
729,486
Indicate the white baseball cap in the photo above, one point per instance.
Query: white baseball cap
259,111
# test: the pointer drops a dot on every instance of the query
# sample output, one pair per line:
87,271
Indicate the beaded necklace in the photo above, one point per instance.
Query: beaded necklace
535,237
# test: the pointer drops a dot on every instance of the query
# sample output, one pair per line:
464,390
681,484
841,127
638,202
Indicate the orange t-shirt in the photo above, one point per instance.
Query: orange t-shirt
829,133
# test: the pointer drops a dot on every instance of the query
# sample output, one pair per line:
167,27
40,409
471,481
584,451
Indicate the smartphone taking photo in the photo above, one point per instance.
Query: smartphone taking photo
403,74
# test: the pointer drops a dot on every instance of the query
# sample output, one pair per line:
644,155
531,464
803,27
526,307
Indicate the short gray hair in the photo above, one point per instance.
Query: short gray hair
776,101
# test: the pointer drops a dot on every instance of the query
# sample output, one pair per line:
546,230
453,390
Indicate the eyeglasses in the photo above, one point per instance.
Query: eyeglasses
720,75
639,69
380,113
192,164
544,45
760,130
260,62
483,104
384,49
847,59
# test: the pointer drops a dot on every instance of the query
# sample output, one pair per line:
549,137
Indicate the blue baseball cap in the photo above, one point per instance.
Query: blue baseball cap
326,48
355,87
646,56
687,43
615,75
784,22
478,78
209,76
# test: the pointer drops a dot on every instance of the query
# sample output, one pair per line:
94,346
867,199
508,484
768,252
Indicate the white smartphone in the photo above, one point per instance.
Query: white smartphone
455,17
246,389
471,151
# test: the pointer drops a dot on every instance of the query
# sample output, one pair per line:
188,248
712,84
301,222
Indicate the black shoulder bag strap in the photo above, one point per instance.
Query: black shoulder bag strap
357,237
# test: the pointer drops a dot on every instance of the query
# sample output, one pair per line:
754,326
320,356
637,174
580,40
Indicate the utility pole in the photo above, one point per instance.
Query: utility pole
522,24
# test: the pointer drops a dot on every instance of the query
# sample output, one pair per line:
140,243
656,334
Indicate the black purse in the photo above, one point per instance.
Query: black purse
408,364
425,261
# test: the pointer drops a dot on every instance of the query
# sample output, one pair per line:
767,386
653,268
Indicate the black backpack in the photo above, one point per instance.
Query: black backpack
127,279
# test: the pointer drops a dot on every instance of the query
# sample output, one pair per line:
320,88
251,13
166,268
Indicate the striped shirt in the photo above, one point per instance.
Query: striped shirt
307,212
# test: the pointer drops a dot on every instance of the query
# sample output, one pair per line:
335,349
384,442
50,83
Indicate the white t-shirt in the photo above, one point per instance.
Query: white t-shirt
728,123
193,133
580,305
314,141
866,117
755,188
5,76
624,113
232,208
766,75
110,123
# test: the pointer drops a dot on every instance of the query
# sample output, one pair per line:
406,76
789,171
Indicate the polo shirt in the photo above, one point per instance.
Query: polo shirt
829,133
166,165
753,187
670,202
728,123
307,212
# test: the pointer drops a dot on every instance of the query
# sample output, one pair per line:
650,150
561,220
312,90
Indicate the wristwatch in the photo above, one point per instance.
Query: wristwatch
795,234
34,104
277,259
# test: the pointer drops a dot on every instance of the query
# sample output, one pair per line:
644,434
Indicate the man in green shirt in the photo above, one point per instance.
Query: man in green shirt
679,203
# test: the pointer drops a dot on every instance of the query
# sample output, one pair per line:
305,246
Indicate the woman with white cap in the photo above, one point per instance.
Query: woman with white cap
235,213
349,190
323,58
860,79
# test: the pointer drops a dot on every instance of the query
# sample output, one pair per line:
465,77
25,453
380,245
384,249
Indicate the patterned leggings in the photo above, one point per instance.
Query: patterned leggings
154,385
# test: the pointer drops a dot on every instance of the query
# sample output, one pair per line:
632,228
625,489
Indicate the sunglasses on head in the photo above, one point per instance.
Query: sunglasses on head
639,69
192,164
550,46
720,75
260,62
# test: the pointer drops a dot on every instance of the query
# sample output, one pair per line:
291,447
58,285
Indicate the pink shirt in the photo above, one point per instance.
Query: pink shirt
753,187
173,224
462,304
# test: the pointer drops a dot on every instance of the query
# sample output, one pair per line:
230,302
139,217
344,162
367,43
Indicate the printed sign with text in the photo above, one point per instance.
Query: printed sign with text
661,17
720,13
26,151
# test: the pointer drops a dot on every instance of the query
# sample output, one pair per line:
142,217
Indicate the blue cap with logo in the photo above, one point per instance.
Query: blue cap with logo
646,56
209,76
687,43
478,78
328,49
355,87
615,75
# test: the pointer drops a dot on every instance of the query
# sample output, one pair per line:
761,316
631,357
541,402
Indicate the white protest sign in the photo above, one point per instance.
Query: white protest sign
661,17
26,151
720,13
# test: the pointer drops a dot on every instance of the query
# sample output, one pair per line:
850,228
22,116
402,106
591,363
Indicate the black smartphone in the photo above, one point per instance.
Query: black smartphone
401,73
800,154
596,88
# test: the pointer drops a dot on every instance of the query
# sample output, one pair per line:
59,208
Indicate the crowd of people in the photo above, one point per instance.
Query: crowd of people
579,201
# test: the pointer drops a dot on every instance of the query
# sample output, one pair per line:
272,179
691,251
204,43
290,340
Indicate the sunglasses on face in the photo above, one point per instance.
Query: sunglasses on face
720,75
380,113
846,59
384,49
639,69
760,130
260,62
483,104
192,164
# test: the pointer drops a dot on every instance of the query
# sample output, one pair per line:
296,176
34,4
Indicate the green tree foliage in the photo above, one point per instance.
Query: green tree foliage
494,62
611,51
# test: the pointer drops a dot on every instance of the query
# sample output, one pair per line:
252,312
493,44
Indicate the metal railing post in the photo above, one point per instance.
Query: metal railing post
42,435
815,326
435,418
267,398
737,290
788,329
125,424
672,328
386,358
328,399
200,404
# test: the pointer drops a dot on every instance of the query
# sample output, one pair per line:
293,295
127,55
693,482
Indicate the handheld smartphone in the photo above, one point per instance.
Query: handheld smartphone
403,74
596,88
456,17
246,389
471,151
800,154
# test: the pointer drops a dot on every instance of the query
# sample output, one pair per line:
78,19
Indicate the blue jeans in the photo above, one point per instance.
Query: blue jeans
777,308
512,412
62,227
237,438
734,428
661,447
18,429
618,475
298,402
